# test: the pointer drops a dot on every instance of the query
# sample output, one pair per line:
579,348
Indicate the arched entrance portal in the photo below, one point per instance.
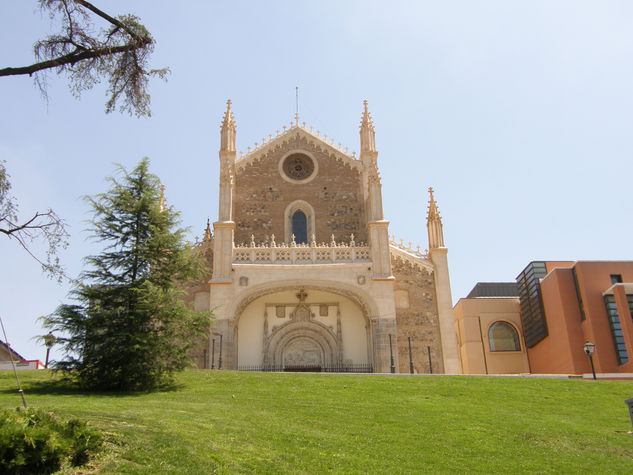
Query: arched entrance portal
302,346
302,330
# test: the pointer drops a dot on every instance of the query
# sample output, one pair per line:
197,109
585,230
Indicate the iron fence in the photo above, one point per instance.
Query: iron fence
360,368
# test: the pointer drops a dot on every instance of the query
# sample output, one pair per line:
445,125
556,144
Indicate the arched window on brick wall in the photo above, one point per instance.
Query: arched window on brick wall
299,220
502,336
300,227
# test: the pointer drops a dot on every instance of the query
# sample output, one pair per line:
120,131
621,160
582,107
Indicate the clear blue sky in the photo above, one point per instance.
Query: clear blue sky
517,113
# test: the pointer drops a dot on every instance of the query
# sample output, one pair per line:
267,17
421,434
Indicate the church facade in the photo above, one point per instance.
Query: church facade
304,273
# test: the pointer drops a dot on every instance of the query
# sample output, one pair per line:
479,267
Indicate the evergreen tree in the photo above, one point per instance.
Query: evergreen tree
129,328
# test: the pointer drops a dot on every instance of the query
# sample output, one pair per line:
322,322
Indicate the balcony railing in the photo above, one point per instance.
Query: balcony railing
293,253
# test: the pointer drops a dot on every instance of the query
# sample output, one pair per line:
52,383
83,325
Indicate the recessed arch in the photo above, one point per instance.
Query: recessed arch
239,308
291,211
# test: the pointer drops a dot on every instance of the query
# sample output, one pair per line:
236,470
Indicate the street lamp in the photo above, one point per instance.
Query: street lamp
49,341
220,358
589,349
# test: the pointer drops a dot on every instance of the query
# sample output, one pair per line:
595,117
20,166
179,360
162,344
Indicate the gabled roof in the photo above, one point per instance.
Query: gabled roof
16,355
296,131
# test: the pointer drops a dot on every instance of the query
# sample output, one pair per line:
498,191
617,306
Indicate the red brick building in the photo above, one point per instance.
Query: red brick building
565,304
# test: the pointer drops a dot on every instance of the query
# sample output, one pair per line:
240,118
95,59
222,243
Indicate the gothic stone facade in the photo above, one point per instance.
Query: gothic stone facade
305,275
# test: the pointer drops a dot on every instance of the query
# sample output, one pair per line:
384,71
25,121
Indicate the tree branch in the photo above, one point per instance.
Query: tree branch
107,17
74,57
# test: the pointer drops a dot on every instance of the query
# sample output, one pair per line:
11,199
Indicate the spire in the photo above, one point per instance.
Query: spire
433,213
162,202
367,133
434,224
227,131
207,232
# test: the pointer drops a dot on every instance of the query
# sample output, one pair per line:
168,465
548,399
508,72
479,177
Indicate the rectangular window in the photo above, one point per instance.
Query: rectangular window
616,328
616,278
532,311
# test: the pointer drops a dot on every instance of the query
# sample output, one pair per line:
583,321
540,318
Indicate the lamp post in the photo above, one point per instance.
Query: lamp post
220,357
589,349
410,357
212,353
393,366
49,341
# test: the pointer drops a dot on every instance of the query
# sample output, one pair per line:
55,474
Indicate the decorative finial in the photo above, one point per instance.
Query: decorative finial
293,243
366,120
434,224
207,232
433,211
228,120
252,240
272,241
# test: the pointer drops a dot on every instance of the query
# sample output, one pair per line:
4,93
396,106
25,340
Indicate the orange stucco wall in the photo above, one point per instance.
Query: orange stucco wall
473,318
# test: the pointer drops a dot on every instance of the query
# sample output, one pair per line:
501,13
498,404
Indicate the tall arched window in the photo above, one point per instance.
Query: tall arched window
503,337
300,227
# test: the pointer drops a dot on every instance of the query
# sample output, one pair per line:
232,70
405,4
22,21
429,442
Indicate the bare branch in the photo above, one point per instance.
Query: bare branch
71,59
120,53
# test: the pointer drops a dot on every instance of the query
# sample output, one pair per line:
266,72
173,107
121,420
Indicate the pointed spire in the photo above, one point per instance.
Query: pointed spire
162,202
207,232
367,132
434,224
366,120
433,213
227,131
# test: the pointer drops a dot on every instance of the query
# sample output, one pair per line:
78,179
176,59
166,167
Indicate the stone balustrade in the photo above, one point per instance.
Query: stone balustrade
292,253
400,245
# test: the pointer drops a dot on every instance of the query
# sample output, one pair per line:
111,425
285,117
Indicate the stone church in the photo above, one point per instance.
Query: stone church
304,273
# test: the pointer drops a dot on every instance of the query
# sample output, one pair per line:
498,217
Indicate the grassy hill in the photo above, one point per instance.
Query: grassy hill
298,423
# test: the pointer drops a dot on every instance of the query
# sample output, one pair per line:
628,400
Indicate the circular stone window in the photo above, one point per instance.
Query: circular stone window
298,166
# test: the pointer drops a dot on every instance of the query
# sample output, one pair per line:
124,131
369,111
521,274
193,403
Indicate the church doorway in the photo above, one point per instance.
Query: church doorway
302,355
302,329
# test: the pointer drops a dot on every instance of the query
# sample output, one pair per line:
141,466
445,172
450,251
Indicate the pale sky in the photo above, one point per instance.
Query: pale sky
517,113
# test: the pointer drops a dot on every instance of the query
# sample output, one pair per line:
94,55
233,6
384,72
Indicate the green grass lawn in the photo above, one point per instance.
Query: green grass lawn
298,423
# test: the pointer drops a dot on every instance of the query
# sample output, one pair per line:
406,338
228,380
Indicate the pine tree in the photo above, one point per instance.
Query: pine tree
129,329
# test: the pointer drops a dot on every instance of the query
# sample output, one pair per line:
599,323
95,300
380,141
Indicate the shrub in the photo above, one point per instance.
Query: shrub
37,441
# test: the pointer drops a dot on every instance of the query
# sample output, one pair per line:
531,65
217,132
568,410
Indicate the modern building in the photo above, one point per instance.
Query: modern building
305,274
488,324
566,304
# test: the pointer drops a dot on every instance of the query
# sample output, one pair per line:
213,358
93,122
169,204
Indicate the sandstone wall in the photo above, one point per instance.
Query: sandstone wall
416,317
261,196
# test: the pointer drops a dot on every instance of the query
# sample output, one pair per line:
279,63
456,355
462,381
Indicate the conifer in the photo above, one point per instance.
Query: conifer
129,328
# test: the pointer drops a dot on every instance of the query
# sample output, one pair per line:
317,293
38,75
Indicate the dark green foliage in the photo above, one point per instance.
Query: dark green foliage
36,441
129,330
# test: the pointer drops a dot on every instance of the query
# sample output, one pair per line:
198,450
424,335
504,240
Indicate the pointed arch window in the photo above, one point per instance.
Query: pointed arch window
503,337
299,220
300,227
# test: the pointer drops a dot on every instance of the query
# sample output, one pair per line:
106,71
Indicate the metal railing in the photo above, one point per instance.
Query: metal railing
358,368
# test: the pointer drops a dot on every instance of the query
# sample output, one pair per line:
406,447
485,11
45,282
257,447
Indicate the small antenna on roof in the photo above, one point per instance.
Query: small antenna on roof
297,106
